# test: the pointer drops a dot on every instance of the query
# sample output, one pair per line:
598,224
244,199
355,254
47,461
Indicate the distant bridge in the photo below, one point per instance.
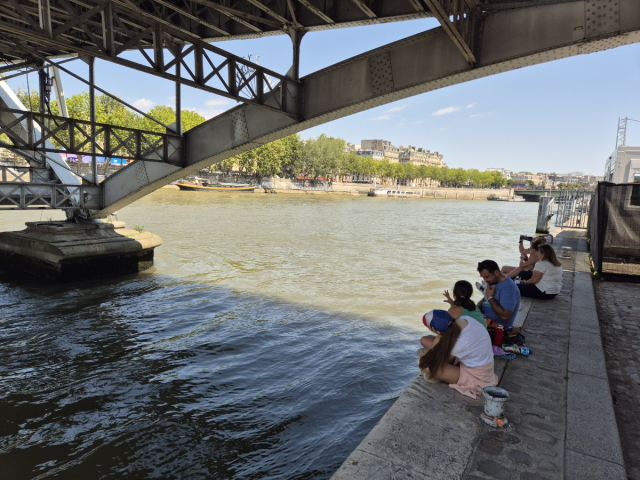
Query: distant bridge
534,195
531,195
477,38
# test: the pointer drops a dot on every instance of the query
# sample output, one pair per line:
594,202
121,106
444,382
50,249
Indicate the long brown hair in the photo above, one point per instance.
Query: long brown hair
462,292
437,356
548,253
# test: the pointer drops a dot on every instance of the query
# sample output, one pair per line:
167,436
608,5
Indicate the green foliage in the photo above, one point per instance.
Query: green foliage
290,157
112,112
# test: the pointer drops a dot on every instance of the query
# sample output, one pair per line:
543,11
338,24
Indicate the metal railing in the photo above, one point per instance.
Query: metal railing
23,174
572,208
24,196
52,133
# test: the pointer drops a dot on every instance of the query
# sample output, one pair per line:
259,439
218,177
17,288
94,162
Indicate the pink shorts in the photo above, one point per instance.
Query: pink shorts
474,379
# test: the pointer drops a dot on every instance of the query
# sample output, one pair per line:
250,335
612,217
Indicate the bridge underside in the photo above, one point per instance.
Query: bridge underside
476,39
422,63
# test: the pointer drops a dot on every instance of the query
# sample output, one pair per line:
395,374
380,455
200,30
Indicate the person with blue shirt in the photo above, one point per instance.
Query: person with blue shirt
502,295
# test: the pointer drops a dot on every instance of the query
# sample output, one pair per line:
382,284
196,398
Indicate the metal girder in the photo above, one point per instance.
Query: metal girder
459,18
80,137
203,66
422,63
362,6
24,174
86,22
27,196
317,11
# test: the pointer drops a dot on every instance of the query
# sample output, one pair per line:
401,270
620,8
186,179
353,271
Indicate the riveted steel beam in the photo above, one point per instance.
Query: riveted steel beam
216,72
362,6
459,19
37,196
508,41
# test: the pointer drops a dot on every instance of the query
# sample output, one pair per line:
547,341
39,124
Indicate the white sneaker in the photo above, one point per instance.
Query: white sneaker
481,286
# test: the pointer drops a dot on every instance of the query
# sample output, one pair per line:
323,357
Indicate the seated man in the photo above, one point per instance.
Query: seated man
502,295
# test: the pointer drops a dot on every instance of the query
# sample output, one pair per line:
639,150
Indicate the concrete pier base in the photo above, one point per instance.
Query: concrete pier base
69,251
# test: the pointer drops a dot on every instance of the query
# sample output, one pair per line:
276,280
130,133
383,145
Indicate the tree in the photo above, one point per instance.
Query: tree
292,161
167,115
322,157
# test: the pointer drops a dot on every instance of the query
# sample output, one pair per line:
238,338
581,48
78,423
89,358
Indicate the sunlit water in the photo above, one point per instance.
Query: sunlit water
273,332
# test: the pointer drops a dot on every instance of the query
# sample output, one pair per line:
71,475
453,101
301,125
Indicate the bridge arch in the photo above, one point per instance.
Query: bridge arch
428,61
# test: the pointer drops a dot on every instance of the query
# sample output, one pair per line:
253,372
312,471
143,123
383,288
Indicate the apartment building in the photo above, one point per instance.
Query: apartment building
388,151
419,156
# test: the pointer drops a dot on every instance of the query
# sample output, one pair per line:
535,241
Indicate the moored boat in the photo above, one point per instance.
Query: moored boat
202,185
497,198
393,193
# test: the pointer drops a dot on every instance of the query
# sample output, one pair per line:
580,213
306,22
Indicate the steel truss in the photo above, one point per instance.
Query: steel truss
23,174
81,137
25,196
111,28
460,19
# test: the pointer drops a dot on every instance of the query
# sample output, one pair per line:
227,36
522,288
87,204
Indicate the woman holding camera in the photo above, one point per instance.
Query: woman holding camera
528,258
546,281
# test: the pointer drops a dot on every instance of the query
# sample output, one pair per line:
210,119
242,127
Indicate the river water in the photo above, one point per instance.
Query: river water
271,335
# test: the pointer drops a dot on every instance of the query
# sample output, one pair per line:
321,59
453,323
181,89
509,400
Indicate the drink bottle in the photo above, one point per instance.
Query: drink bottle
516,349
498,336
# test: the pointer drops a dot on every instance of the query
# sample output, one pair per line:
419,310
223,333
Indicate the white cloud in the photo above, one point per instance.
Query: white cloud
418,122
381,117
207,112
143,104
399,108
471,105
479,115
445,111
216,102
172,98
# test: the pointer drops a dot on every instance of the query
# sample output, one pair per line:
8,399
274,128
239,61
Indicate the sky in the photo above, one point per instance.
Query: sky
560,116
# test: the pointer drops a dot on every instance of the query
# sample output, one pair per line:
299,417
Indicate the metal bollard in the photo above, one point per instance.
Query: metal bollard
545,206
494,398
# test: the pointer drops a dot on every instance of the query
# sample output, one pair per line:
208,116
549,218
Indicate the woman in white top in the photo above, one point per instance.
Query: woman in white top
546,281
461,354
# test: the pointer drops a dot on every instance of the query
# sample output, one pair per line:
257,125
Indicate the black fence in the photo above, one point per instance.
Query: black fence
614,228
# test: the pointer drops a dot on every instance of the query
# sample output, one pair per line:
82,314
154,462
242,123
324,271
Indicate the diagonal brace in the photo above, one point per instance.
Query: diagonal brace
458,19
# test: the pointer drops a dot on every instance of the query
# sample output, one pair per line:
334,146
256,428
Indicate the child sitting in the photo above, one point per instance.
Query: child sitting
461,303
461,354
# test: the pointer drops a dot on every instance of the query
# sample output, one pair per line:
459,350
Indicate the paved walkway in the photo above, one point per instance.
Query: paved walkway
560,410
619,314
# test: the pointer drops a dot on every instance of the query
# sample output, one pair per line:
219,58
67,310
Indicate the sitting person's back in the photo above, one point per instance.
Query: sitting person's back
465,339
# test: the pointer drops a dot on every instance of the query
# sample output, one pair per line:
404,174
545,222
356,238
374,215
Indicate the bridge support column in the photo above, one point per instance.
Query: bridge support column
545,208
72,251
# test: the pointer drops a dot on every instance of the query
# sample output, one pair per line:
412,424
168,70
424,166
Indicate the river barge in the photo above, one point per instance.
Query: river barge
202,185
393,193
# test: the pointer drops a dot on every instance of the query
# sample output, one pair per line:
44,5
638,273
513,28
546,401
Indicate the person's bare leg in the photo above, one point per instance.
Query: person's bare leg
428,341
447,373
506,269
513,273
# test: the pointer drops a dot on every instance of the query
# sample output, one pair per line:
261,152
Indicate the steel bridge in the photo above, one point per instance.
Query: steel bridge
182,41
